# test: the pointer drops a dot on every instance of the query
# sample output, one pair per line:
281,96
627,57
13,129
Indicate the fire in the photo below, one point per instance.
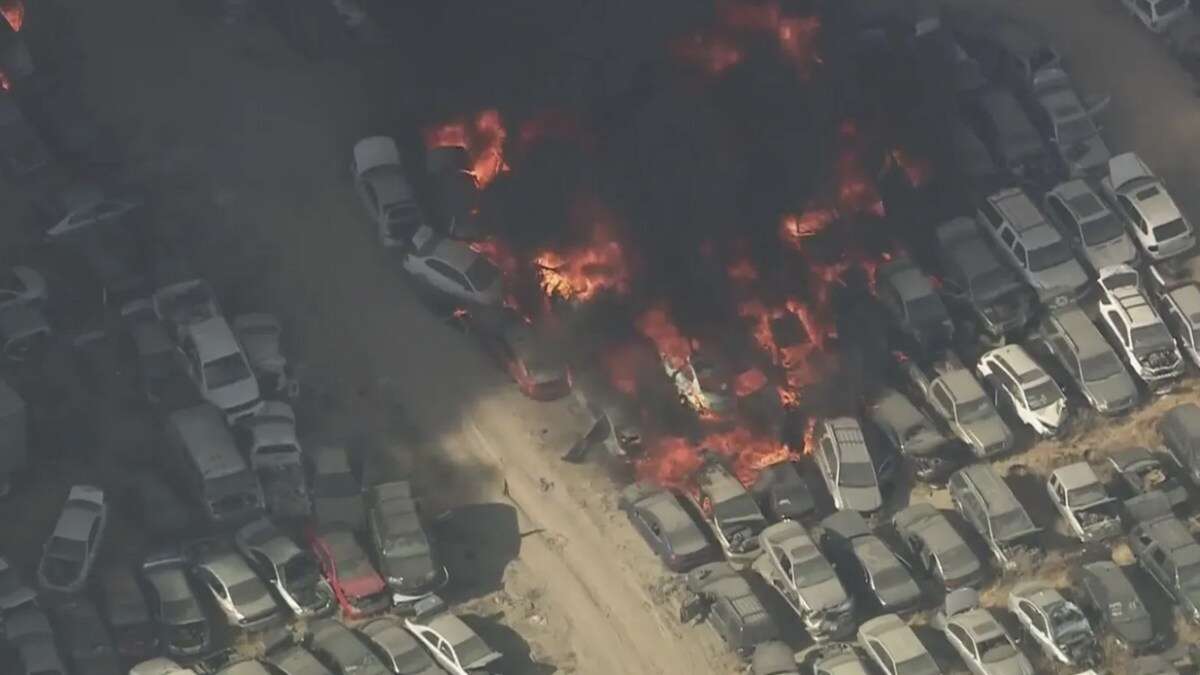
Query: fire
742,271
856,191
5,83
788,397
795,36
553,124
461,313
747,452
810,436
672,345
499,254
749,382
483,138
714,54
760,327
582,273
672,462
916,170
793,229
621,364
14,13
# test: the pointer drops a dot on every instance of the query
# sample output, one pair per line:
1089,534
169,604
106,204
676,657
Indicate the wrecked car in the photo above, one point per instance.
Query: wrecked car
975,281
397,648
292,572
359,589
720,595
385,190
915,306
242,597
1074,341
1083,502
978,637
452,268
833,658
181,624
950,390
989,505
936,547
782,492
1033,395
731,512
1141,472
662,521
894,648
69,552
403,549
340,650
1166,550
1180,431
456,195
127,613
457,648
1067,122
1096,231
85,637
1178,297
1135,325
1057,624
1113,600
909,432
793,565
269,439
522,349
337,493
866,564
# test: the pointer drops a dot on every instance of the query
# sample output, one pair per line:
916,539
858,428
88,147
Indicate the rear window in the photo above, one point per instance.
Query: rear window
1172,229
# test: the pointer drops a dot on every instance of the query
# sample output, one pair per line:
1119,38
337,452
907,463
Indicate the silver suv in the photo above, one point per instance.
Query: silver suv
1032,245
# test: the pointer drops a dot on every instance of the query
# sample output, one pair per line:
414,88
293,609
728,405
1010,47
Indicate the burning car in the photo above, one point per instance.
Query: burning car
936,547
989,505
385,190
720,595
731,512
1140,472
293,573
522,350
1082,501
1178,298
795,568
456,194
976,282
909,432
704,383
915,306
71,549
452,268
1057,624
846,466
1112,598
662,521
359,589
1032,393
1156,222
402,547
951,391
865,561
1136,326
978,637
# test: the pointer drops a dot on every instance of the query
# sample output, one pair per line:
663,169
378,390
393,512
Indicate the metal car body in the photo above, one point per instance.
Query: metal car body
1032,393
703,382
405,553
989,505
13,591
337,494
69,552
1157,15
269,440
359,589
978,637
1075,342
833,658
846,465
1057,624
975,281
1034,247
1068,122
218,366
1116,603
1156,222
1132,321
294,660
185,302
914,304
453,644
182,625
1178,299
721,596
385,190
452,268
659,517
1166,549
731,511
293,573
340,650
164,380
782,492
1009,135
866,564
956,396
237,590
85,638
1141,472
1095,231
911,433
1083,503
127,613
936,547
397,648
1180,431
894,648
793,565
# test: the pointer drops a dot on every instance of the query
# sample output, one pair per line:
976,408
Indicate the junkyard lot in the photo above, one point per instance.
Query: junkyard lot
245,147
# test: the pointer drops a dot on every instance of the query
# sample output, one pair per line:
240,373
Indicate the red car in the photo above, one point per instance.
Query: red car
523,351
357,586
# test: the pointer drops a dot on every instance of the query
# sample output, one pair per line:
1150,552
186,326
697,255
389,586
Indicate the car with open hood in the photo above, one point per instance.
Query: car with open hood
846,465
720,595
1135,325
894,648
1030,391
293,573
406,554
989,505
659,517
1082,501
978,637
936,547
731,511
1112,601
1057,624
793,565
866,564
69,552
359,589
1071,338
1155,220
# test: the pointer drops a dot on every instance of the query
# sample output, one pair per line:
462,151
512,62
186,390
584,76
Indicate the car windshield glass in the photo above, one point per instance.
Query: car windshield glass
225,371
922,664
856,474
975,409
482,274
1170,229
67,549
1151,338
996,648
1100,367
1076,129
812,571
1189,575
1042,395
300,569
1048,256
927,308
1103,229
245,592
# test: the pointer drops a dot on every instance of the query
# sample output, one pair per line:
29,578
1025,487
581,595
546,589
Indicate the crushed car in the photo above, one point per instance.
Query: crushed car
1057,624
1084,504
793,565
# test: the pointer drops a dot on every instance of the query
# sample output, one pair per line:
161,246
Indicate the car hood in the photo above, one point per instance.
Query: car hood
989,434
1136,632
1117,251
1117,390
900,595
862,499
234,393
1052,415
825,595
1066,277
412,572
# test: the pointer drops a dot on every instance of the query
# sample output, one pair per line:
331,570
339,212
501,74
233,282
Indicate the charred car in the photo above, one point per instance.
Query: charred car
936,547
1057,624
793,565
976,283
1083,502
1135,325
909,432
720,595
662,521
989,505
731,512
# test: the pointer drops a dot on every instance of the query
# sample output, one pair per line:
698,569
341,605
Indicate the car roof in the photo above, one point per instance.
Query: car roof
226,565
919,517
1125,457
996,494
374,151
667,509
1080,199
1187,299
390,635
1019,209
213,338
848,433
1134,306
847,524
75,521
332,459
455,254
980,623
1020,363
203,429
1039,593
1112,582
788,535
1075,476
961,385
1084,335
275,431
1127,167
894,409
1170,533
1184,417
263,535
294,660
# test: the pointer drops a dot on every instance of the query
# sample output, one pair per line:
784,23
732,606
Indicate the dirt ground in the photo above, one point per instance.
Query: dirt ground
245,147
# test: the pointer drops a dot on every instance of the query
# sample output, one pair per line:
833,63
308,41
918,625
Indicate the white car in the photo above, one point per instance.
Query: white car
453,268
1083,503
1135,325
978,637
385,190
1156,15
20,286
68,554
215,361
457,649
1156,222
1057,624
1033,394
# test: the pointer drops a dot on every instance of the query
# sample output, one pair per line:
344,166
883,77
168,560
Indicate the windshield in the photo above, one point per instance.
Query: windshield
1076,130
927,309
1103,229
1042,395
856,474
968,411
1151,338
812,571
67,549
997,648
1049,256
1172,228
1100,367
225,371
482,274
245,592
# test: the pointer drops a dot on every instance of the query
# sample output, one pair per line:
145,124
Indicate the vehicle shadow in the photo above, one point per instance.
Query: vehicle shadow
517,659
478,541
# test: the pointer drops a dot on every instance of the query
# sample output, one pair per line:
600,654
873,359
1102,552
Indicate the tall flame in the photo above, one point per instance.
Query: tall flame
583,272
13,12
483,137
656,324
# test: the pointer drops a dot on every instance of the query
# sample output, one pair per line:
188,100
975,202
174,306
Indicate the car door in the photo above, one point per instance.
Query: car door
962,644
882,658
1032,617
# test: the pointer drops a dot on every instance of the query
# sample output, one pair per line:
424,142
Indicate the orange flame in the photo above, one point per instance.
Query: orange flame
749,382
672,346
917,170
793,229
742,271
747,452
621,364
584,272
483,138
810,436
788,397
794,36
14,13
672,462
461,313
713,54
